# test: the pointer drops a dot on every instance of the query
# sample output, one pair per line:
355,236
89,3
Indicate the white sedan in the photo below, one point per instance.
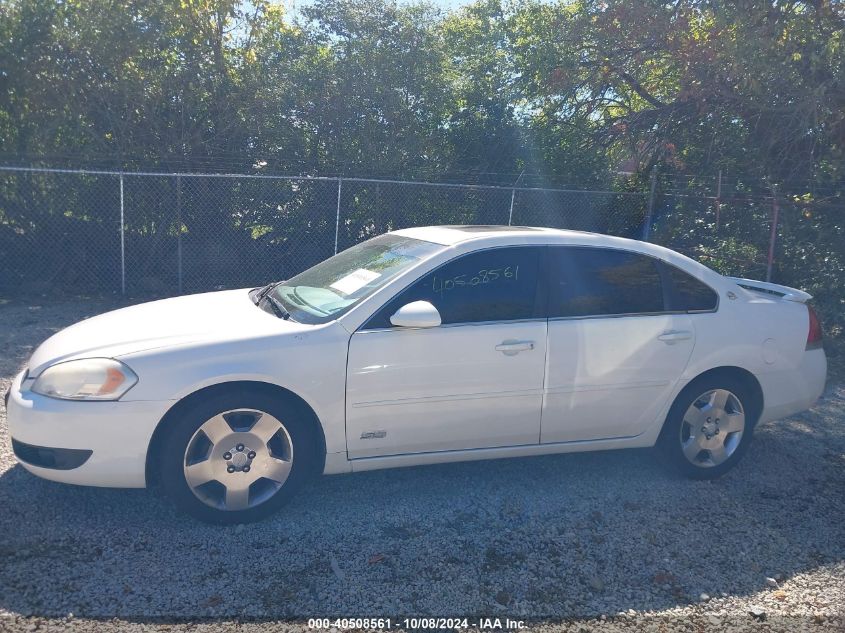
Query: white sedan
420,346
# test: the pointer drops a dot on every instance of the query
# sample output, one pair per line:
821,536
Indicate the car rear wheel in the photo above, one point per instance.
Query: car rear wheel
709,427
236,458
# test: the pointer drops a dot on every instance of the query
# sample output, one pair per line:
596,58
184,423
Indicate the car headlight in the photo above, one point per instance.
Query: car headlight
86,379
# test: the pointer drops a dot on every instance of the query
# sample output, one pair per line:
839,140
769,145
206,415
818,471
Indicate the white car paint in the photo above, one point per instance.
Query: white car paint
441,394
597,385
444,388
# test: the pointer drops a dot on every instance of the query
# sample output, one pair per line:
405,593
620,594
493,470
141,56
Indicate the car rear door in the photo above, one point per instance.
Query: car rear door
473,382
616,350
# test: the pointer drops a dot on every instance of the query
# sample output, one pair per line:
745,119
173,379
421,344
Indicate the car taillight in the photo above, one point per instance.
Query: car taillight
814,336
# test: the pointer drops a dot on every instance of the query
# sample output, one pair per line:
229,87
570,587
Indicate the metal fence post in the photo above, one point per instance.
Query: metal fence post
718,200
510,215
650,210
513,194
337,217
122,242
179,232
773,234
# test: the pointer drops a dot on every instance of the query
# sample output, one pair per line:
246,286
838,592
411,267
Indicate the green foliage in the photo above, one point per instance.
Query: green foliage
492,92
368,87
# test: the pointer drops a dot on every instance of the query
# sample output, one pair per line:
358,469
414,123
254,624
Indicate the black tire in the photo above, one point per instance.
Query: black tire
671,441
181,430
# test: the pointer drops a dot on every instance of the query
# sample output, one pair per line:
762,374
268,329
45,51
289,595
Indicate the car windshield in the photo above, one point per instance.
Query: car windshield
325,291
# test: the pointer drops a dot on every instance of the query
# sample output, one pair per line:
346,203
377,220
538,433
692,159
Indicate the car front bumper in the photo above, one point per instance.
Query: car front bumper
51,436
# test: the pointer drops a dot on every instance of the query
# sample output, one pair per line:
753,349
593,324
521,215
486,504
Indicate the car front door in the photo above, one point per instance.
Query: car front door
475,381
616,348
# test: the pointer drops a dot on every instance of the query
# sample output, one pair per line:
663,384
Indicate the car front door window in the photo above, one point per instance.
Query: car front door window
492,285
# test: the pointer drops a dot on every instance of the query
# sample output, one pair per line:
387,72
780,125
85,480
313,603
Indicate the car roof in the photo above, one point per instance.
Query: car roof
493,235
448,235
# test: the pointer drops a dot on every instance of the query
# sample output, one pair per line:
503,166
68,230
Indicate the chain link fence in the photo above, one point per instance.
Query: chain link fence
148,234
789,240
732,236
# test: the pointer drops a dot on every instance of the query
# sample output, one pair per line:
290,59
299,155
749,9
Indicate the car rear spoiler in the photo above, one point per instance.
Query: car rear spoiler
782,292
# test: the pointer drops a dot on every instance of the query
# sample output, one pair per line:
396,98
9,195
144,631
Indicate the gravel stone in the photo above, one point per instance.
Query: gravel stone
573,540
757,612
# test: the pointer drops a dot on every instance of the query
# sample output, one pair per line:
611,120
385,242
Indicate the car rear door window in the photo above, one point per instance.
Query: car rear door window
690,294
587,281
498,284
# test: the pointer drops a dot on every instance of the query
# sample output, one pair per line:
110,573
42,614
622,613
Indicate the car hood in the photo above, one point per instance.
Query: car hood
217,316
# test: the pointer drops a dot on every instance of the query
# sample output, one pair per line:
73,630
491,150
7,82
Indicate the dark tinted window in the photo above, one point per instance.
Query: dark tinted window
689,292
596,281
493,285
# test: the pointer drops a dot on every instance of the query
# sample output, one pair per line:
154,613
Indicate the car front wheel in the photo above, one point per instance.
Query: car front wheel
236,458
709,427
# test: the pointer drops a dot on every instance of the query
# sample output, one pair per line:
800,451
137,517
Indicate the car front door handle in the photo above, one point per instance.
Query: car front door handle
673,336
509,348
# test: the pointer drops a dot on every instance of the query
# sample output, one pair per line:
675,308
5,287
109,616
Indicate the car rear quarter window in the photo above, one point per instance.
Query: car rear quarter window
689,294
587,281
498,284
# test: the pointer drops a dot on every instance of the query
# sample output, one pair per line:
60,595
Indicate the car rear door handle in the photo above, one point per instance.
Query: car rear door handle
509,348
673,336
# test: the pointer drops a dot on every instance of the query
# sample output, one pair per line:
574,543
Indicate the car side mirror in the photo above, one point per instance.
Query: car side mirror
416,314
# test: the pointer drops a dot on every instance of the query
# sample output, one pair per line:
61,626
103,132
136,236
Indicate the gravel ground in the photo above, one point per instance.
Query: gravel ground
567,539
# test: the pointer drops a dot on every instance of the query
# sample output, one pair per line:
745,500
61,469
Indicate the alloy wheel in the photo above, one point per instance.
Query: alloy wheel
238,459
712,428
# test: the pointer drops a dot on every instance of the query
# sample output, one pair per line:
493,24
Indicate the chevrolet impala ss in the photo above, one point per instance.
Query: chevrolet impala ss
420,346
